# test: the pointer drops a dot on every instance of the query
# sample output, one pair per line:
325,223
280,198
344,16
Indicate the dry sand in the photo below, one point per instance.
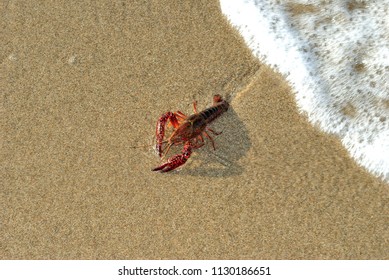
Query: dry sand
83,82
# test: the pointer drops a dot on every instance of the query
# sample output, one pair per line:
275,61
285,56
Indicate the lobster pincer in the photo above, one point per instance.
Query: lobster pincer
176,160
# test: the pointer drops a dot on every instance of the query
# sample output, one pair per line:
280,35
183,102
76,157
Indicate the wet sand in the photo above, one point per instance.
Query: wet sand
84,83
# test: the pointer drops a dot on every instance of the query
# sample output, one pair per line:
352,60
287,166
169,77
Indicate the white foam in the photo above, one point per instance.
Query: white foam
335,54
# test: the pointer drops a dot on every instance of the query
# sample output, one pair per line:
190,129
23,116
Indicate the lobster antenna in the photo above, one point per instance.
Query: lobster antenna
149,145
166,150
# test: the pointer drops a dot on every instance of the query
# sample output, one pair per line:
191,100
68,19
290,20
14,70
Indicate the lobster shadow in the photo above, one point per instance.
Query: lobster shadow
231,145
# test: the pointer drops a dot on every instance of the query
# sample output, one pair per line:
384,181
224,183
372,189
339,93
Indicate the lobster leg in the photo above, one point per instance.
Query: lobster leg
210,138
180,115
180,118
160,129
177,160
214,132
195,106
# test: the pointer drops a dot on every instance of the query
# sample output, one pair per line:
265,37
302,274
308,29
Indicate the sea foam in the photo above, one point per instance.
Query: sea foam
335,55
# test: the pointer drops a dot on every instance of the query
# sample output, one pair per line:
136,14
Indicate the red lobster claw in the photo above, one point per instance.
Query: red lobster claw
176,161
160,130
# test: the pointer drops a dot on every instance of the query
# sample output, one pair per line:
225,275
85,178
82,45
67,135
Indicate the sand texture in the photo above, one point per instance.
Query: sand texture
82,82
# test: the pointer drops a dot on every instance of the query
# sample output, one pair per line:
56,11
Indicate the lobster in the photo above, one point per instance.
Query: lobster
188,131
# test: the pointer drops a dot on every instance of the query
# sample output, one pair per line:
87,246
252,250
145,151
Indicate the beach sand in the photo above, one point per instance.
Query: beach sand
83,83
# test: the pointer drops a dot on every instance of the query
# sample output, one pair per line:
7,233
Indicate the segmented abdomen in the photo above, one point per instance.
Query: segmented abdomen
214,112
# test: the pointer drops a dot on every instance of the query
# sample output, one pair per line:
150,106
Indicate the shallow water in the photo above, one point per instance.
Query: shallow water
336,57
